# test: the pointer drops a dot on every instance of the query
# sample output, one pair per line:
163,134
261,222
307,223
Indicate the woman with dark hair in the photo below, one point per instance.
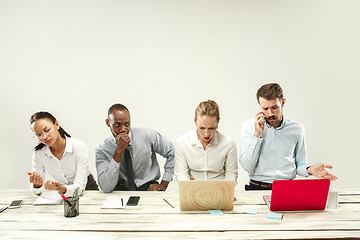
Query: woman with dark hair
64,158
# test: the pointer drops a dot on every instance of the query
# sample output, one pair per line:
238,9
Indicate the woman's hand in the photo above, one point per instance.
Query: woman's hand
35,179
54,185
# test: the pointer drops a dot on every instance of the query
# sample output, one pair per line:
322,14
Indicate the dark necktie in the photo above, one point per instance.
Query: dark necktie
129,171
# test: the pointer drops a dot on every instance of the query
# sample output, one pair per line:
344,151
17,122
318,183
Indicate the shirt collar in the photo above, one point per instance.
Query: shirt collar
283,122
194,140
68,147
215,139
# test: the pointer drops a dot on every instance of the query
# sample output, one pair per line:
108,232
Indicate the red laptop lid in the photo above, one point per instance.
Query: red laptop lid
297,195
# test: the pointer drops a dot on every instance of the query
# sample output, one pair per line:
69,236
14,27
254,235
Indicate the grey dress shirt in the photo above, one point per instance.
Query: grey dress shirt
143,146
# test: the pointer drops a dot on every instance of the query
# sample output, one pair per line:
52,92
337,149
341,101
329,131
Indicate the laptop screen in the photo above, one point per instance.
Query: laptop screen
298,195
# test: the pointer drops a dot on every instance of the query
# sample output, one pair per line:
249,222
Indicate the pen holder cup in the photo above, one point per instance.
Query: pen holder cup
73,210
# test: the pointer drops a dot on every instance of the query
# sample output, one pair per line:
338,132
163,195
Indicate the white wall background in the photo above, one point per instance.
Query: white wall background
161,58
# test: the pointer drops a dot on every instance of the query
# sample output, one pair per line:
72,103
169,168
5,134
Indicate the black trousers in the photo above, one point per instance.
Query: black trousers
91,183
121,186
257,185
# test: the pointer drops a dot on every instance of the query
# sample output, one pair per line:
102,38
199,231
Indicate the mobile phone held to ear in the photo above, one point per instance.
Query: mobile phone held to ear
15,204
133,201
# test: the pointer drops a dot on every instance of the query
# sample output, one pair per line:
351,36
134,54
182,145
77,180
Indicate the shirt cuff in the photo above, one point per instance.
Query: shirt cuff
114,165
302,170
256,141
167,177
70,189
37,191
181,178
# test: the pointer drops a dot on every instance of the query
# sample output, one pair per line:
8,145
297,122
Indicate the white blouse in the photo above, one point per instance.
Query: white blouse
217,161
71,171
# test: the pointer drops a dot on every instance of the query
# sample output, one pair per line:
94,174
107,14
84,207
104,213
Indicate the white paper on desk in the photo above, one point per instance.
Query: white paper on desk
48,198
115,202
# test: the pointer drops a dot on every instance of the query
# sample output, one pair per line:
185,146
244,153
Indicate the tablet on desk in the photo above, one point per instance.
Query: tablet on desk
298,195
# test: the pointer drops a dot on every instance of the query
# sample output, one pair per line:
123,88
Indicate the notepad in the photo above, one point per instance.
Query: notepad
251,212
113,202
275,216
49,198
216,212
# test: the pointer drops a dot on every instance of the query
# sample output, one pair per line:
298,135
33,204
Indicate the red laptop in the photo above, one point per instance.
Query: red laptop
298,195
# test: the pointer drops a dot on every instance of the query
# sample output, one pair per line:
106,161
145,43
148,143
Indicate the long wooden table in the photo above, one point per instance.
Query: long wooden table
154,218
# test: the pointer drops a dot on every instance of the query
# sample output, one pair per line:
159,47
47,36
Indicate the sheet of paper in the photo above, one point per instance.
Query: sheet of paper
49,198
115,202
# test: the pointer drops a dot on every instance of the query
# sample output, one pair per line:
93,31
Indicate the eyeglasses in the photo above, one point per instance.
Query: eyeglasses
40,135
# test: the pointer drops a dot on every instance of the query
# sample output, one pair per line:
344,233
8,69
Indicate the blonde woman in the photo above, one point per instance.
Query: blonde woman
205,153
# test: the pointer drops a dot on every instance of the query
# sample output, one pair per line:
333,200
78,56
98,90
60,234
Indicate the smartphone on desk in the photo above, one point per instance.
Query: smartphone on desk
15,204
133,201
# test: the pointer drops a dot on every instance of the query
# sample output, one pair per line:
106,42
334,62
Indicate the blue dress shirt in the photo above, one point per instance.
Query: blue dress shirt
278,154
143,146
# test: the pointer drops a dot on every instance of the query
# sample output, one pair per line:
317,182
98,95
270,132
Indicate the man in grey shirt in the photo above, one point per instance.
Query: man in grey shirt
127,161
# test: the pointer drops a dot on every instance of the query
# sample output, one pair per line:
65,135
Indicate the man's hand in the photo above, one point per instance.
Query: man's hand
35,179
122,141
259,124
158,187
53,185
318,170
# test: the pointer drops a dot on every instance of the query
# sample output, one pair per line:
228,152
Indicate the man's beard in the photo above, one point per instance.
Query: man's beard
272,123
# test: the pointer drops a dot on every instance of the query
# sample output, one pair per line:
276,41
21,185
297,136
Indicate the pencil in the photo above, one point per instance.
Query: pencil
168,203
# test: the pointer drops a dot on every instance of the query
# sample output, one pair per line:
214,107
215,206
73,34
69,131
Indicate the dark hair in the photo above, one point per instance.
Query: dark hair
42,115
270,91
118,107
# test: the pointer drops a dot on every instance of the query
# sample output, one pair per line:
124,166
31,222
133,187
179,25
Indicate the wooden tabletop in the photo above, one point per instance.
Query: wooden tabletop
154,218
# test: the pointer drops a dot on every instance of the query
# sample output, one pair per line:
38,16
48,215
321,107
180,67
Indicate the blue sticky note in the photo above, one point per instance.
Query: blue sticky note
276,216
252,212
216,212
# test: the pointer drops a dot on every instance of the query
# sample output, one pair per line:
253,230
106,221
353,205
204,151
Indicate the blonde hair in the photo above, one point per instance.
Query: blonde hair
210,108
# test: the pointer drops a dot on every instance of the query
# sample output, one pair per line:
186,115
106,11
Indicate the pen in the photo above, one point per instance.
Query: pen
3,209
75,193
168,203
65,199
